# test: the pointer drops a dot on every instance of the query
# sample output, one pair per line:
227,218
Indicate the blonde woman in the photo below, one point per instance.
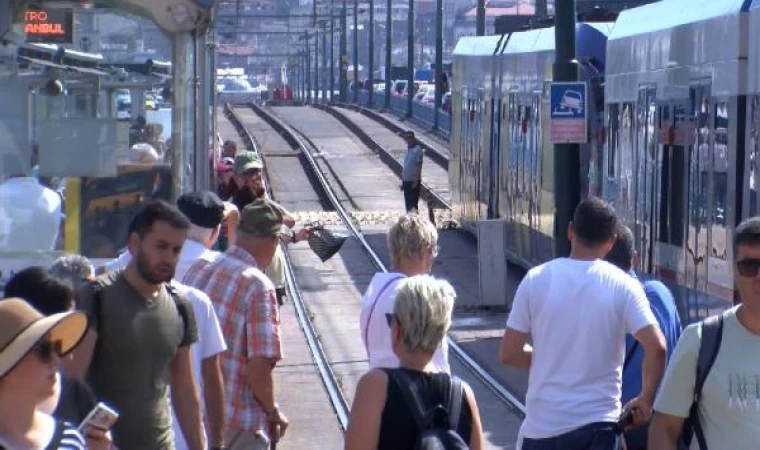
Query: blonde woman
382,417
413,246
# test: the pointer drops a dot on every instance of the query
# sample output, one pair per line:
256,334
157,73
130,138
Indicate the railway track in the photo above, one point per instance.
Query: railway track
308,148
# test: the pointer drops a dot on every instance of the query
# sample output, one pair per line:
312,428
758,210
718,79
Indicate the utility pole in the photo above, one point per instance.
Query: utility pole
480,18
567,161
388,52
356,51
324,62
410,60
371,65
332,51
316,64
438,61
308,70
343,52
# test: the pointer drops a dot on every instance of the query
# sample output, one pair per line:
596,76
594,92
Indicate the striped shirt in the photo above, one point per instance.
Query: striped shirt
246,305
66,437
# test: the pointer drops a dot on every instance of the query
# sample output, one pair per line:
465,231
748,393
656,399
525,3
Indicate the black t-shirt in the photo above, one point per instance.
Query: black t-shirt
398,431
75,402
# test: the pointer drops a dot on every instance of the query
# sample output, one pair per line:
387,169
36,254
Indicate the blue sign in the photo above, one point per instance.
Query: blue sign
568,104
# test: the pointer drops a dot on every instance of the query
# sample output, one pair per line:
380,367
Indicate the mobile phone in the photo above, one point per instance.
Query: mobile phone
101,417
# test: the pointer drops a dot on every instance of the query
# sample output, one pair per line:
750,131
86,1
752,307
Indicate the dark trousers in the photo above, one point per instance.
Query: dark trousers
411,195
594,436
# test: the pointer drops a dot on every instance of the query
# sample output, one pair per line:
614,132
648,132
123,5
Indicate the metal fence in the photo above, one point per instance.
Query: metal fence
421,112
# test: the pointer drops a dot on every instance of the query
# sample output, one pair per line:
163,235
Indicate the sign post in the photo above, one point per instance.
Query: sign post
568,112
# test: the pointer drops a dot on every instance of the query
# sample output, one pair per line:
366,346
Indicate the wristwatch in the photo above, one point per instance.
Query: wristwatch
293,236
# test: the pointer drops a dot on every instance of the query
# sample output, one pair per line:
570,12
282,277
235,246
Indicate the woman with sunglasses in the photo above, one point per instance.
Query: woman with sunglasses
31,346
384,415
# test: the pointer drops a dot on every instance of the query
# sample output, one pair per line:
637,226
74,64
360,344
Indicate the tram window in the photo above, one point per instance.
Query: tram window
720,180
613,124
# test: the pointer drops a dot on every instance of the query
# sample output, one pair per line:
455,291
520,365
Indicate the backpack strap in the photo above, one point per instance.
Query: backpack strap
409,390
454,408
709,346
372,310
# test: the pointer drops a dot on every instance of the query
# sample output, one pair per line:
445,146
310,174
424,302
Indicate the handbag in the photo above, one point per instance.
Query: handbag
325,243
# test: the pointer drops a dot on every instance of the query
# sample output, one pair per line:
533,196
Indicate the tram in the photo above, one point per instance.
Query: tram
674,108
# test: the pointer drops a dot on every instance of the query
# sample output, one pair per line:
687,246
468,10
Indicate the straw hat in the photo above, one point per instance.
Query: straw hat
23,327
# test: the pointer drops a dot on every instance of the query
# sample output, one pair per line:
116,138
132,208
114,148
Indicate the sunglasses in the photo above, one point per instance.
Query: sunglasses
390,317
47,348
748,267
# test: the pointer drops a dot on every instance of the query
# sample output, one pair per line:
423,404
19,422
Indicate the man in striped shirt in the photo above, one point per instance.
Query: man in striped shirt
246,305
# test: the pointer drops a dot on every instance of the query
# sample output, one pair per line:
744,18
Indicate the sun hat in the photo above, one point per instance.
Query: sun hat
22,327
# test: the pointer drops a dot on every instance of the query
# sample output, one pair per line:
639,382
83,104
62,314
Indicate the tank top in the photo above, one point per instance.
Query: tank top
398,430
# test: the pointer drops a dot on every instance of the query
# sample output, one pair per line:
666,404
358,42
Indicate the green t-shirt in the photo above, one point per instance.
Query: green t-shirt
137,340
729,409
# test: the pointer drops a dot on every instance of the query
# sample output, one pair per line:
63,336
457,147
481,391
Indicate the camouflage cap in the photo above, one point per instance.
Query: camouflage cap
261,218
245,161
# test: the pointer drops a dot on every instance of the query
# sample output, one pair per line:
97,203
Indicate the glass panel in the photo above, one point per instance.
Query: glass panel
719,234
70,178
613,140
754,155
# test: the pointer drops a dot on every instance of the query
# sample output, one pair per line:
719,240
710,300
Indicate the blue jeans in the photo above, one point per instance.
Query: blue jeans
594,436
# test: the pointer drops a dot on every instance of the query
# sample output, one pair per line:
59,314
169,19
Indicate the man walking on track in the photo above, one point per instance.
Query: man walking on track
578,311
411,174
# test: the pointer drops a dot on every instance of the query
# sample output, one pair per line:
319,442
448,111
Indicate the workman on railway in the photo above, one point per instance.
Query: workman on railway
663,305
577,310
411,173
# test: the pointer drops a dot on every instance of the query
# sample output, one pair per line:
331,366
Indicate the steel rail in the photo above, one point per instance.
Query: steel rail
329,379
502,393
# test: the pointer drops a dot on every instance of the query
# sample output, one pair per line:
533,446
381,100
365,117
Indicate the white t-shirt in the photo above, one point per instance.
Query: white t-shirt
729,409
30,215
211,342
378,340
577,314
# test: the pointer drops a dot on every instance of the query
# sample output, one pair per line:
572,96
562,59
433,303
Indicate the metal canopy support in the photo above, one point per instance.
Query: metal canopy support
410,61
308,71
438,61
201,172
356,51
388,51
371,62
183,125
567,164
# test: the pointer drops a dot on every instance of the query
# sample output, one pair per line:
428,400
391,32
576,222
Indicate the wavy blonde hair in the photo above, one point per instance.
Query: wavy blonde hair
410,235
423,309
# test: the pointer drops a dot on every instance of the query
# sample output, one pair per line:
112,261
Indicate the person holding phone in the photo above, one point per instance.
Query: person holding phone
31,348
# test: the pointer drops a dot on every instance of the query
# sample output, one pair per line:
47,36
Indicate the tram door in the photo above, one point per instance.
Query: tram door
645,139
672,178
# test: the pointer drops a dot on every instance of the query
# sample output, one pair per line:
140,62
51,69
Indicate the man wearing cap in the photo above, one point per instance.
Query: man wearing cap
249,176
245,301
411,174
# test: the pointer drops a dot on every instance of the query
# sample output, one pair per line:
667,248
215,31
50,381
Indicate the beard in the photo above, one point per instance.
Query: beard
147,274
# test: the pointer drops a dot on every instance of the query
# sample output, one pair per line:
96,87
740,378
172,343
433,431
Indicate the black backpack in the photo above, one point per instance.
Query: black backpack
709,346
437,425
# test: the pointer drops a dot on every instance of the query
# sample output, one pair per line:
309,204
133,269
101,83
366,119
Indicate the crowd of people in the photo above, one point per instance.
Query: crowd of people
180,336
